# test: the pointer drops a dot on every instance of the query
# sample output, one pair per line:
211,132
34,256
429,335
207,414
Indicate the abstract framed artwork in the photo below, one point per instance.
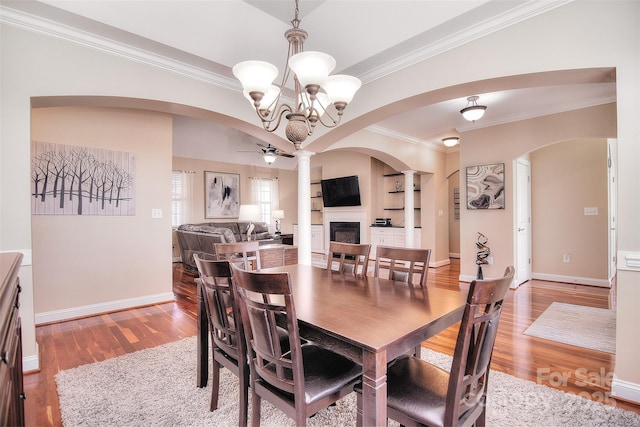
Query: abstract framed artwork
485,186
221,194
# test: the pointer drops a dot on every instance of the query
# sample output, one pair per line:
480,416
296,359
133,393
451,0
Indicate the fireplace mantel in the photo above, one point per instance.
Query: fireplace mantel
345,215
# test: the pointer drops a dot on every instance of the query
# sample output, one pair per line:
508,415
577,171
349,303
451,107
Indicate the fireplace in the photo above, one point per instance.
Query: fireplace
351,226
344,232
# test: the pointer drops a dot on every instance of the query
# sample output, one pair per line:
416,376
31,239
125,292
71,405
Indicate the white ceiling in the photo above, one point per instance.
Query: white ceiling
368,38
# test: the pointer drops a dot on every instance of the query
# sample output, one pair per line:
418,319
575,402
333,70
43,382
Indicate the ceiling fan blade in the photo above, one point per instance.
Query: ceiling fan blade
291,156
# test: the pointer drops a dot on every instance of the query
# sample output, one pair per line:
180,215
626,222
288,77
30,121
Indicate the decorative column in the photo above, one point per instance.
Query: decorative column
304,206
409,208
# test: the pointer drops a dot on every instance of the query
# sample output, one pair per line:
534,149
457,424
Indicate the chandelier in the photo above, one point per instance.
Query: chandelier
318,97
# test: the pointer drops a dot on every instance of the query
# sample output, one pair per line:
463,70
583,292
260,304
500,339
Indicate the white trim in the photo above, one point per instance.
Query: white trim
37,24
436,264
31,363
603,283
625,390
628,261
93,309
454,255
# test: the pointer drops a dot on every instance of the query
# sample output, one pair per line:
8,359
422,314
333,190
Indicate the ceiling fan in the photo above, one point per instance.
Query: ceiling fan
269,153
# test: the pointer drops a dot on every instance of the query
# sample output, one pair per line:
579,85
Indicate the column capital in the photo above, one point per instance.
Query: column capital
409,172
303,154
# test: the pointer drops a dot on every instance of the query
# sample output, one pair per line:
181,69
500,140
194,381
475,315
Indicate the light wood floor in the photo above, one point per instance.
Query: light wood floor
69,344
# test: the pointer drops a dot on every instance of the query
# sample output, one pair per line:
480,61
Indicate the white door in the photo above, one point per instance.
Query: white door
523,221
611,163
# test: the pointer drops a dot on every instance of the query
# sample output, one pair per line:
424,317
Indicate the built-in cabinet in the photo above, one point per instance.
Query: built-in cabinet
11,386
392,236
316,237
394,198
315,193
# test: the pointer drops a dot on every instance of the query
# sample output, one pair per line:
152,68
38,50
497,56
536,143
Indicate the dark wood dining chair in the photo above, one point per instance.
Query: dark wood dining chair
301,380
245,254
419,393
228,344
403,263
348,257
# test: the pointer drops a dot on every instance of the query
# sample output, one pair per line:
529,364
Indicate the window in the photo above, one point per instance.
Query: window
181,197
264,193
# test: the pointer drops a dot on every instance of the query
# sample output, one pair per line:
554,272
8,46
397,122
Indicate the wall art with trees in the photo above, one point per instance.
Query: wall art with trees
73,180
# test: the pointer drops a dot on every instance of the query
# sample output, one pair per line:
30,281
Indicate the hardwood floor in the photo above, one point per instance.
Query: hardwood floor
576,370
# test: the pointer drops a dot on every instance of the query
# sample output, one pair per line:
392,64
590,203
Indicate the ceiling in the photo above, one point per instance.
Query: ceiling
368,39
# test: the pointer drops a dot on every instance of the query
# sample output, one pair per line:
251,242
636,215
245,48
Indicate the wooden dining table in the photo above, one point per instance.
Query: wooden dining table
370,320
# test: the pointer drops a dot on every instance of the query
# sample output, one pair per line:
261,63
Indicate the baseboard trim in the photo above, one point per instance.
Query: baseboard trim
440,263
625,390
31,363
603,283
93,309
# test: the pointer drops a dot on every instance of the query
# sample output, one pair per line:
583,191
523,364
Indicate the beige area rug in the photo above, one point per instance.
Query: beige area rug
578,325
157,387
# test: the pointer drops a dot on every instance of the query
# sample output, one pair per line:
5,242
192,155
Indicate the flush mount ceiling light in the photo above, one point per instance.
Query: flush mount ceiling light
473,111
318,97
451,141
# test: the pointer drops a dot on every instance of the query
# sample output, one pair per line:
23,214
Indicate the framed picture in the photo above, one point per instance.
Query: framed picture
221,195
485,186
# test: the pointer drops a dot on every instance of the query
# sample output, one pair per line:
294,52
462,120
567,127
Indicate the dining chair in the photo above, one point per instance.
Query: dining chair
403,263
301,380
246,254
350,257
419,393
228,344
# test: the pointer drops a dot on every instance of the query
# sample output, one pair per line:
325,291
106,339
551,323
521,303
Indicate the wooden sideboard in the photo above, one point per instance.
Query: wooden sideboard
12,391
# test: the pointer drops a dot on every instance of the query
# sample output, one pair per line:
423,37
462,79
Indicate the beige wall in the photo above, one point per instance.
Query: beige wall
288,186
566,178
81,261
504,144
338,163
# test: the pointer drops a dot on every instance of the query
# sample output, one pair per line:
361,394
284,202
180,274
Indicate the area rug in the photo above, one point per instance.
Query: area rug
578,325
157,387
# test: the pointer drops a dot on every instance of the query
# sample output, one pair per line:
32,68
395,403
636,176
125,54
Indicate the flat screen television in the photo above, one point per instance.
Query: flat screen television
344,191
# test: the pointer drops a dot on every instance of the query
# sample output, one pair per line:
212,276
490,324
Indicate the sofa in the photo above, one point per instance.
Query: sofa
200,238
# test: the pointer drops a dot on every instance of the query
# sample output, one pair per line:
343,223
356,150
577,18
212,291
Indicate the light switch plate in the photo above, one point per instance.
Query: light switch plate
156,213
591,211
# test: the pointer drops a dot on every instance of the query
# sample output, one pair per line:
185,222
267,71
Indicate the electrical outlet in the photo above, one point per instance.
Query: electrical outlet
566,258
156,213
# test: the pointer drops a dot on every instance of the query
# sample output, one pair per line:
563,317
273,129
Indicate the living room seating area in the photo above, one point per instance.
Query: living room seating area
201,238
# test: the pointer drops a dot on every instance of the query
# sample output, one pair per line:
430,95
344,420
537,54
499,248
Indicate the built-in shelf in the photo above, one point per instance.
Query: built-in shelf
393,174
399,209
316,210
316,197
402,191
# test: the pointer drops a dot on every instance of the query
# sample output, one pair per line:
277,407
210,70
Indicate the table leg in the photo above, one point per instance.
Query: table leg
202,350
374,389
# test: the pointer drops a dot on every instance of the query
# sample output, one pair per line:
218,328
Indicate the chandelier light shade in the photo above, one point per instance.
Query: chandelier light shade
318,97
451,141
473,111
269,156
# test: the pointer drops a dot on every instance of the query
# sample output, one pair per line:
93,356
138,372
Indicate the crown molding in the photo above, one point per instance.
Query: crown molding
527,10
398,135
40,25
